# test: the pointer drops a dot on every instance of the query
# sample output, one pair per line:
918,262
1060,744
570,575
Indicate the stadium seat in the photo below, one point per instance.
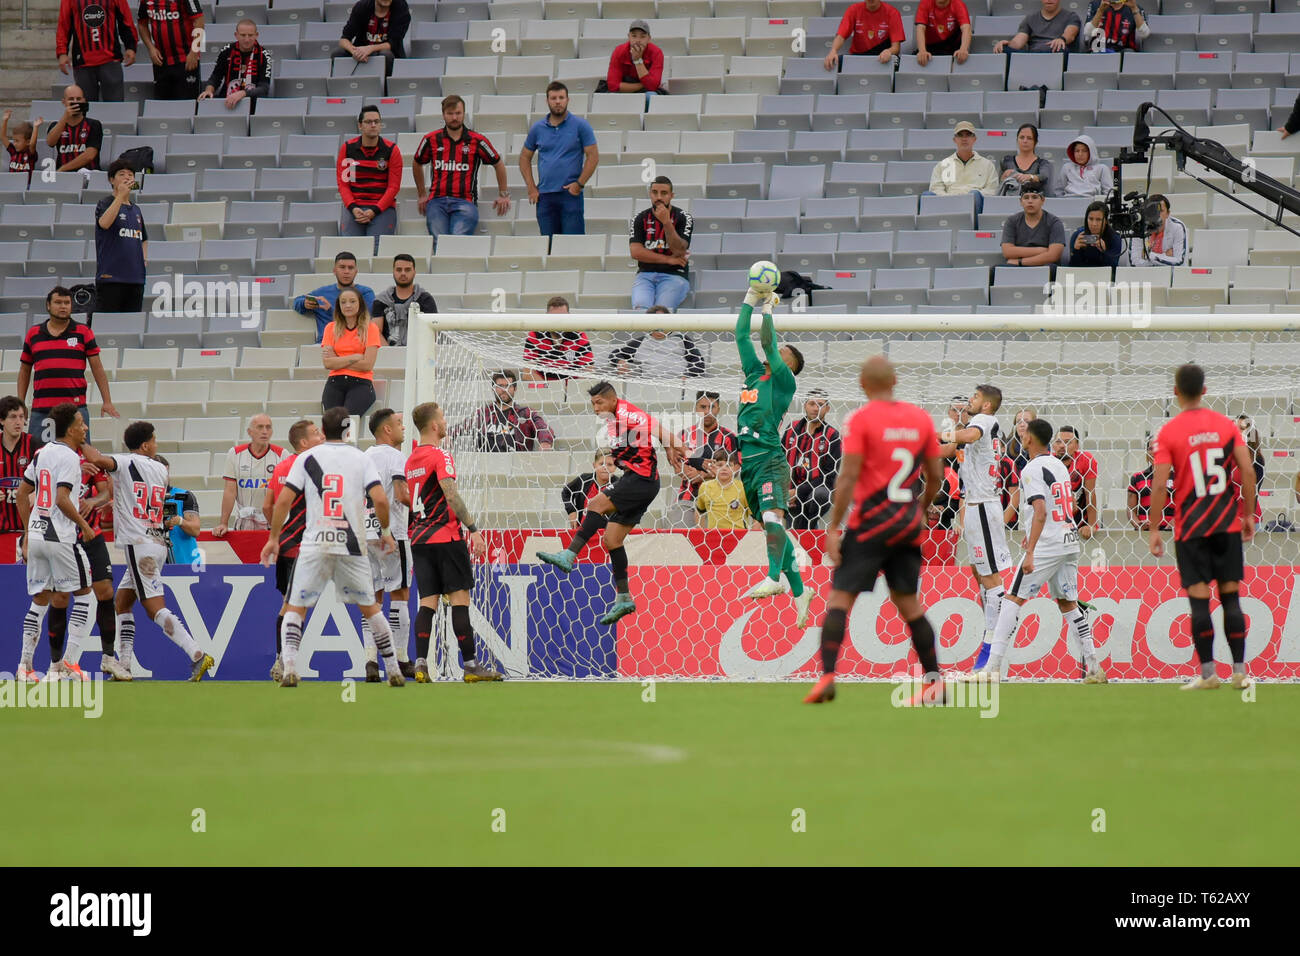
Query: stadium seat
1201,70
846,288
254,219
230,332
252,152
930,248
352,78
1007,111
27,222
829,216
1221,247
446,38
55,257
1188,107
875,146
842,112
233,256
171,331
1018,285
806,75
1171,33
1090,72
982,70
1258,286
855,179
865,74
1224,32
163,117
946,110
910,179
1196,286
898,287
119,330
1240,106
931,78
821,148
888,213
946,212
897,110
807,254
213,116
863,251
1035,70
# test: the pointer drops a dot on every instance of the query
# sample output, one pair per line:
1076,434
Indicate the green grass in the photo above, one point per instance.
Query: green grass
708,773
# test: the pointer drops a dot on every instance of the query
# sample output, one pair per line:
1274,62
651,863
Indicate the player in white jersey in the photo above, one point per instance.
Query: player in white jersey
333,479
57,565
978,447
392,572
246,475
139,490
1051,553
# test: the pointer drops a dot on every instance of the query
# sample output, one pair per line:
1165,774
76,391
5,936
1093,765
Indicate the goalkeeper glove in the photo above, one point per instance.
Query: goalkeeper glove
762,301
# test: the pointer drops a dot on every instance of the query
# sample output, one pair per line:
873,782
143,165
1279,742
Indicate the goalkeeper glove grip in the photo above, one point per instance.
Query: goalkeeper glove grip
763,301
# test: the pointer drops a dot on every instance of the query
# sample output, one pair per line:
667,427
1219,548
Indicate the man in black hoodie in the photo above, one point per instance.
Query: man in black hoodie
376,26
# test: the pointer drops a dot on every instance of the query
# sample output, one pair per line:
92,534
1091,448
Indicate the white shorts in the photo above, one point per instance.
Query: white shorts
1060,574
353,582
144,564
56,566
391,572
985,536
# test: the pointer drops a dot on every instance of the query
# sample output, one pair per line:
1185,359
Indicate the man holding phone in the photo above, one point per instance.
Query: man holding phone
1114,26
75,138
320,302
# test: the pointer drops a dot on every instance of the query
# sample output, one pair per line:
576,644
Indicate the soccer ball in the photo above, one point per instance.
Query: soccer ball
764,276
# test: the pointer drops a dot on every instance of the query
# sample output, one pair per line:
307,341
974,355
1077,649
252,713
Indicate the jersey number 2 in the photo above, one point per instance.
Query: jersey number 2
331,499
906,461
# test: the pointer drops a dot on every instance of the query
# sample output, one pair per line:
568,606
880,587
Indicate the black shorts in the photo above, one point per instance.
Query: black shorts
442,567
632,496
284,574
861,564
101,565
1217,557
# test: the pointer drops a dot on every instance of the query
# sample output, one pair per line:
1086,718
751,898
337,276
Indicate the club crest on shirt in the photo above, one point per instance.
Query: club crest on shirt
381,164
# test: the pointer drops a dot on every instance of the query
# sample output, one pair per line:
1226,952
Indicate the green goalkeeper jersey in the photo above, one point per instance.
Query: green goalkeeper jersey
767,395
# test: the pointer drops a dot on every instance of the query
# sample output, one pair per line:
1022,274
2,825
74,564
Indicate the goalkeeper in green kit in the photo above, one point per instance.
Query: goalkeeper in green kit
765,473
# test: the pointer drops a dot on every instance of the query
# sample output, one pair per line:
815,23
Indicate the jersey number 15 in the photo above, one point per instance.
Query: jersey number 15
1209,477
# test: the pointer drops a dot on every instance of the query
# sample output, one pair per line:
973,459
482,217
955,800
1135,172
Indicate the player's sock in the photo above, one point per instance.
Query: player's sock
58,623
175,630
368,641
106,618
383,637
790,568
832,638
1234,626
460,626
1008,618
1083,633
991,598
1203,634
32,631
292,638
423,630
126,639
591,523
776,544
78,626
279,640
923,641
618,562
399,622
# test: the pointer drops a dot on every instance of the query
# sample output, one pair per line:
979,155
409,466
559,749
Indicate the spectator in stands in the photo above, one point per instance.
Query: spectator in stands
121,245
813,449
1139,495
1167,246
1250,435
875,29
1025,165
706,437
17,447
248,470
1083,173
947,503
392,306
376,26
578,491
168,30
1115,26
1083,475
721,504
965,172
1016,447
947,30
96,40
1095,243
663,355
369,175
1049,30
567,352
455,153
636,66
21,146
501,425
566,160
243,69
75,138
1009,490
1034,236
348,349
54,359
320,302
661,244
1292,124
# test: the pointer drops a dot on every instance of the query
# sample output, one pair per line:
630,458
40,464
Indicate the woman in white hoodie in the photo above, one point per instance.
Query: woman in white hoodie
1083,173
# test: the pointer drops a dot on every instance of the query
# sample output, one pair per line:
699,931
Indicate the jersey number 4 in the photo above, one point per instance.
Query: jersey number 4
1212,469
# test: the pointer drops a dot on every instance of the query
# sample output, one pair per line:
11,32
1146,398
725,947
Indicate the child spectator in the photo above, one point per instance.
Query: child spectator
1083,173
721,501
21,146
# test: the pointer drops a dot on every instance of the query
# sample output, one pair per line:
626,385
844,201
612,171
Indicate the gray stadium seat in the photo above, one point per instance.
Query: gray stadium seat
213,116
841,112
27,222
806,75
231,331
1009,110
1171,33
1146,71
442,39
830,216
1018,285
172,257
928,145
740,249
1223,32
287,256
946,212
760,146
1035,69
417,77
254,219
168,187
1070,109
848,287
946,110
717,289
169,331
817,148
56,257
1091,71
1119,107
780,216
280,116
795,182
314,218
866,74
875,145
907,178
225,184
806,254
285,185
1198,70
785,112
234,256
302,78
309,152
1187,107
896,287
888,213
978,247
960,287
929,248
897,110
119,330
1253,71
864,250
931,78
316,41
162,117
194,152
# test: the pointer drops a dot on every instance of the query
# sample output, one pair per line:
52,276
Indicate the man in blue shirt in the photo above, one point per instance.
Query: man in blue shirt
320,302
567,159
121,245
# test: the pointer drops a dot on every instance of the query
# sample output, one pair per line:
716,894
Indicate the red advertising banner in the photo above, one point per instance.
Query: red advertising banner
694,622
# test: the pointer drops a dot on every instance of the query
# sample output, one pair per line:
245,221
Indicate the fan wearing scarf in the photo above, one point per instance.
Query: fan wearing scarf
243,69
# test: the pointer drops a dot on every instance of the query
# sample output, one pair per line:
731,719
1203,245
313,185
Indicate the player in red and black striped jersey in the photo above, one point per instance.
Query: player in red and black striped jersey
303,435
1214,511
369,175
171,31
619,507
17,448
890,474
813,448
436,528
455,154
243,69
96,38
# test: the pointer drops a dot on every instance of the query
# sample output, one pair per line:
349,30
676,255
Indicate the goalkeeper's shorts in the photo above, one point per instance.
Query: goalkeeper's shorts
766,480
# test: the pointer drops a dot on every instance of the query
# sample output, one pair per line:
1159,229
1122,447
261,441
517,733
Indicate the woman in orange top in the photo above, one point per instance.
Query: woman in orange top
348,349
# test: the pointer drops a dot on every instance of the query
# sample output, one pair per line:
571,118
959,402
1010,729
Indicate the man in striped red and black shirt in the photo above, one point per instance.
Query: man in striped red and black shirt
1139,495
369,176
568,351
812,447
170,31
456,154
55,355
95,39
17,447
243,69
75,137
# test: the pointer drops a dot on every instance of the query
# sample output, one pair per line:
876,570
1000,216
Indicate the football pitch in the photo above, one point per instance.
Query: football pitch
591,773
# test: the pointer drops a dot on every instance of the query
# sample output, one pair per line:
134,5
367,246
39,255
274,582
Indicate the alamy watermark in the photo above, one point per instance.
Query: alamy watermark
178,297
984,696
84,695
1072,296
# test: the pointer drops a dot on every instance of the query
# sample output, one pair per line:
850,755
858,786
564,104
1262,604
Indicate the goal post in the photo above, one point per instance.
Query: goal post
1110,377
